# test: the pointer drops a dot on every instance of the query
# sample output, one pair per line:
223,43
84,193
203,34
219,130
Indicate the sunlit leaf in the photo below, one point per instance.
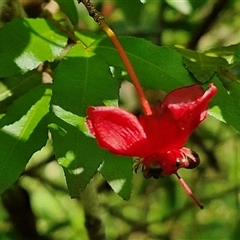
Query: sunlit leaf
86,38
77,154
25,43
115,169
23,132
82,79
118,173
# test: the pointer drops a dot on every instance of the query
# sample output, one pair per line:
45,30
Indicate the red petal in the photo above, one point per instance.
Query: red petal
163,131
183,95
118,131
189,104
174,120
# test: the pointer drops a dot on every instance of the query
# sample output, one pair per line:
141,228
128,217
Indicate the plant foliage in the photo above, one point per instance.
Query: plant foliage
83,78
87,71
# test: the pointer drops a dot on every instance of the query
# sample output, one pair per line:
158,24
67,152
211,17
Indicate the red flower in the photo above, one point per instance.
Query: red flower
157,139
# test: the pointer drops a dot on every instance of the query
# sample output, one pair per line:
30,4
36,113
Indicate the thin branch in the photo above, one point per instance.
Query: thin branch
207,22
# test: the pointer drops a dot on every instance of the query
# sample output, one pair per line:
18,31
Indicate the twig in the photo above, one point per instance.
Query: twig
207,22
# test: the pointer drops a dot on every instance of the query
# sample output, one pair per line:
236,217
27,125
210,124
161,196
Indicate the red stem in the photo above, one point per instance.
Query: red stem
145,105
189,191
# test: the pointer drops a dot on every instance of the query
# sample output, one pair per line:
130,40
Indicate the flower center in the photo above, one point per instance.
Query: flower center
165,164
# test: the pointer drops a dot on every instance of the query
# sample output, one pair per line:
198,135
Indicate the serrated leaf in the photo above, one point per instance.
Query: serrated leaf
77,154
69,8
226,52
118,173
23,132
156,67
201,66
82,79
231,53
25,43
80,156
223,107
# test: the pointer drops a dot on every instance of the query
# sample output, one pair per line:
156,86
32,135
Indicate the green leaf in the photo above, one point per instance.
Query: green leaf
13,87
234,90
80,156
23,132
223,107
196,5
131,13
69,8
156,67
201,66
77,154
82,79
118,173
86,38
226,52
183,6
25,43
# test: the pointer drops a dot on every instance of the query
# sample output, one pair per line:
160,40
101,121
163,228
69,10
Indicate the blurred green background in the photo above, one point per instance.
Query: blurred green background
158,209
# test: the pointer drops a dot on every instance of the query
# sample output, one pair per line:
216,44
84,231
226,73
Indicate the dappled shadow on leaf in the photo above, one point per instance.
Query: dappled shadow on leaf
82,79
80,158
13,87
16,152
78,155
25,43
24,103
23,132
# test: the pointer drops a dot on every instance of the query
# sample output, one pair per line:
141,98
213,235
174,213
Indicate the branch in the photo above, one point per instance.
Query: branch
207,22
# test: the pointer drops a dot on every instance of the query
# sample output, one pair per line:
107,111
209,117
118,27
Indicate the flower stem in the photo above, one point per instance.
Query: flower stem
97,16
189,191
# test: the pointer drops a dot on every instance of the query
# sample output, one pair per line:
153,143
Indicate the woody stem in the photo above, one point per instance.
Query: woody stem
98,17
